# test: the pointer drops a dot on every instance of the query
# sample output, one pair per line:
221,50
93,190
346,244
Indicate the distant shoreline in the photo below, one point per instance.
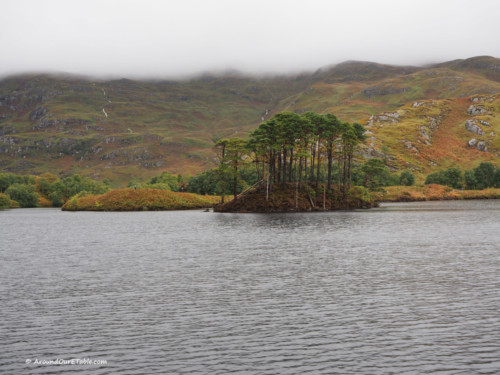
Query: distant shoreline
432,192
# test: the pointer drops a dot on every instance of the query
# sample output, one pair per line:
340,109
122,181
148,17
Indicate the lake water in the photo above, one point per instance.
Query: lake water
410,288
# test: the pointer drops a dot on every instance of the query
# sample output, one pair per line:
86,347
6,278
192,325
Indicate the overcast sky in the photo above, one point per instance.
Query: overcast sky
142,38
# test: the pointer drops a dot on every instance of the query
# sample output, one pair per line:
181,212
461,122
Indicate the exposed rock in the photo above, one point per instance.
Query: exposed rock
417,104
385,117
60,124
96,149
477,99
7,129
434,122
424,132
8,140
485,123
475,110
153,164
472,126
97,128
111,155
409,146
481,146
38,113
472,142
492,134
139,153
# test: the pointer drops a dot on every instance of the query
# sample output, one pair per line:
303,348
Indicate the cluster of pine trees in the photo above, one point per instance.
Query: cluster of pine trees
293,148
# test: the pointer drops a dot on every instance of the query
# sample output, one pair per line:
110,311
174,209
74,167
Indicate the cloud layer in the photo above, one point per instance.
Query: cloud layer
170,38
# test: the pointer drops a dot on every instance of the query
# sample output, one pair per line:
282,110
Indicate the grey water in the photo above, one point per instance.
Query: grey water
407,288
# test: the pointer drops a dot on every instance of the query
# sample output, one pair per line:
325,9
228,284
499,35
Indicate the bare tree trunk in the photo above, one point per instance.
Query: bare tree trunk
311,177
330,165
284,166
235,182
279,169
350,170
300,170
318,168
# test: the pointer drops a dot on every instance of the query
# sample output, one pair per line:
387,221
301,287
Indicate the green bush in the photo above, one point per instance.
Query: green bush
165,181
359,197
8,179
407,178
484,176
23,194
449,177
4,201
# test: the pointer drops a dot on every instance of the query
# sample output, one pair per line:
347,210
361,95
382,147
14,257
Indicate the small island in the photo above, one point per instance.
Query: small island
292,154
139,200
289,198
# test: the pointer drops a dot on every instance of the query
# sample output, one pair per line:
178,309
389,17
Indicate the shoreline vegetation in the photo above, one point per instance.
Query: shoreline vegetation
147,199
285,198
432,192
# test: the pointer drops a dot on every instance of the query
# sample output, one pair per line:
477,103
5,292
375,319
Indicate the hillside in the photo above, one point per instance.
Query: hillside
123,129
431,135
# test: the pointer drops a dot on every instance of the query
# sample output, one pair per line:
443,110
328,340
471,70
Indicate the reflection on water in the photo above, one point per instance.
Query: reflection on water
404,289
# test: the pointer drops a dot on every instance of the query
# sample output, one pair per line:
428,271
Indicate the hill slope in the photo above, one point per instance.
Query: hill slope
125,129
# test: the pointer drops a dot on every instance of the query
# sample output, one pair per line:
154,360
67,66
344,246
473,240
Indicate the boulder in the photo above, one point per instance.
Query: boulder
472,142
475,110
481,146
38,113
472,126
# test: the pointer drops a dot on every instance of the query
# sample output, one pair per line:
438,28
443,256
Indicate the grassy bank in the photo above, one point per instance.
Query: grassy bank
139,200
432,192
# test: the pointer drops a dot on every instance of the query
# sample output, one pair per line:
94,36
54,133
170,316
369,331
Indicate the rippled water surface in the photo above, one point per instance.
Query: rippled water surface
403,289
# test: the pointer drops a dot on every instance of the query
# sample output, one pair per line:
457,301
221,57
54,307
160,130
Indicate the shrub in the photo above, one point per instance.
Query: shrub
407,178
359,197
470,180
450,177
8,179
137,200
24,194
4,201
485,175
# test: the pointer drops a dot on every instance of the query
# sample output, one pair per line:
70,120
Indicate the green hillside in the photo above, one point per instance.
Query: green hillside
123,129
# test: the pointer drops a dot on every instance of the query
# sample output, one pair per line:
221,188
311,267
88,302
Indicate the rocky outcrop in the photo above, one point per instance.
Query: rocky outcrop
38,113
386,117
475,110
473,127
60,124
479,145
